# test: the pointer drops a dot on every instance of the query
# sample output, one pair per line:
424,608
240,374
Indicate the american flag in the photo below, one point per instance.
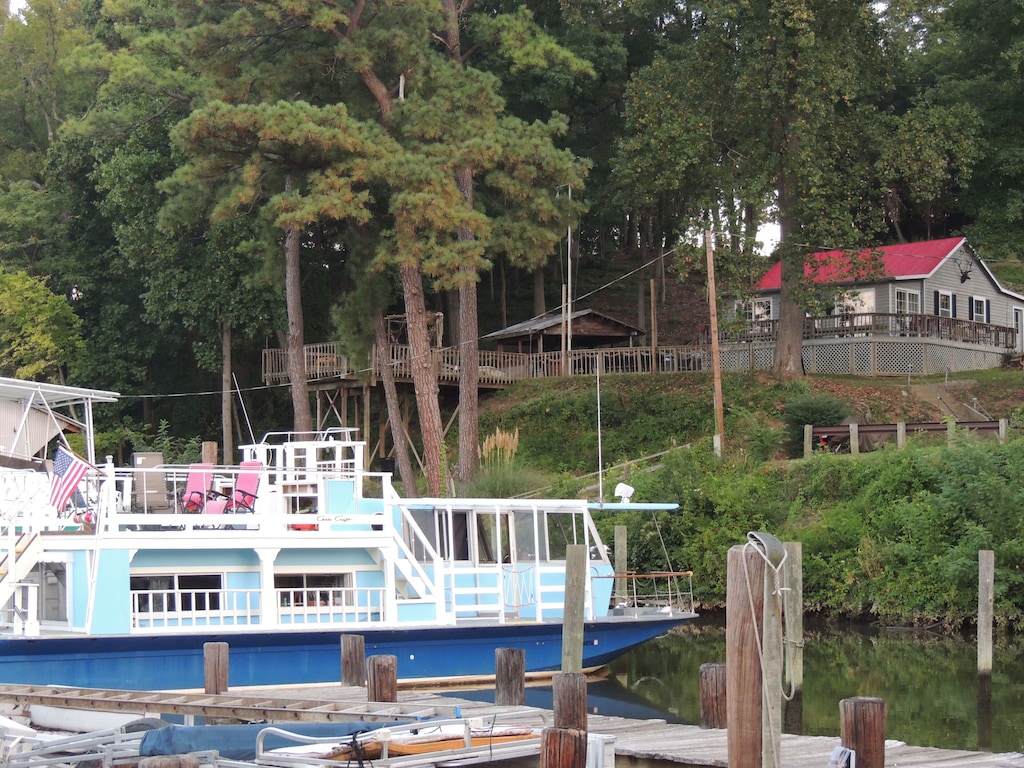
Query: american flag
68,471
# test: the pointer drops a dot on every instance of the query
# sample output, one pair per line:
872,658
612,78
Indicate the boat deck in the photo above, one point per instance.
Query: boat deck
639,742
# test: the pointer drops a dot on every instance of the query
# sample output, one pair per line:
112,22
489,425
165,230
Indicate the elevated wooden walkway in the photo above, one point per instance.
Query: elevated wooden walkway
641,742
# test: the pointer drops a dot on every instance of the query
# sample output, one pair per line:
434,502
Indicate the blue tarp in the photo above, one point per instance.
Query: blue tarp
238,742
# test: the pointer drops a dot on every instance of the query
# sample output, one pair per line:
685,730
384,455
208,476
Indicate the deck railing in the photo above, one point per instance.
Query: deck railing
901,344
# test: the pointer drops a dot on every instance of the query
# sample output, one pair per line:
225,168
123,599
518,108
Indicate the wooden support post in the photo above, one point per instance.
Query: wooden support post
808,441
771,667
1004,430
712,696
621,565
854,439
572,614
569,690
744,614
862,729
509,677
793,610
901,434
209,453
563,748
382,678
215,667
950,432
353,660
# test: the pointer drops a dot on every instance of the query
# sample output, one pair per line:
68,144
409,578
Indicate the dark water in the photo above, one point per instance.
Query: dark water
928,681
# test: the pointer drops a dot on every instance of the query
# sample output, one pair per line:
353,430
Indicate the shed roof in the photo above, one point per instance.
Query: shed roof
550,323
902,262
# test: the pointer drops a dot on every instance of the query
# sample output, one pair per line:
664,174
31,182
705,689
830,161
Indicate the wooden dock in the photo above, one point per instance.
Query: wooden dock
638,743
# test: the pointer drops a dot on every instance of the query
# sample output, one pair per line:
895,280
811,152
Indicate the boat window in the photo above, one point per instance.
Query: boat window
174,592
314,588
493,538
563,528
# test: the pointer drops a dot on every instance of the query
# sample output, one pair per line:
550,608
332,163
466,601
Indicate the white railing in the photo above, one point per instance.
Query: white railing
158,609
331,605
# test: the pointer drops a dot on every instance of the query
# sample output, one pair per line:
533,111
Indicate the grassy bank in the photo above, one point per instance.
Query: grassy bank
892,535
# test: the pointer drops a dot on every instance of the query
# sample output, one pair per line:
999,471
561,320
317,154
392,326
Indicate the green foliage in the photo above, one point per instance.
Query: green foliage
504,480
39,334
818,409
176,450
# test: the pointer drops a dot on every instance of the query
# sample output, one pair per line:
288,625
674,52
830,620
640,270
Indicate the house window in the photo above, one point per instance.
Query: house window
313,588
756,310
945,304
979,309
908,302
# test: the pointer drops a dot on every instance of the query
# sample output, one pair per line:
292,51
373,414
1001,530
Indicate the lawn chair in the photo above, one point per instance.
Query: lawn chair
198,487
242,498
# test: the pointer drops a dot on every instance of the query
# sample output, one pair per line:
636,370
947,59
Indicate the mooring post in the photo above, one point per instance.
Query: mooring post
712,696
208,451
862,729
744,613
793,648
808,441
569,690
563,748
353,660
573,607
215,667
901,434
986,609
382,678
509,677
621,565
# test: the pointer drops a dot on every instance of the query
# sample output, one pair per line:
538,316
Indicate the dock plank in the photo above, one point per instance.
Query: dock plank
640,742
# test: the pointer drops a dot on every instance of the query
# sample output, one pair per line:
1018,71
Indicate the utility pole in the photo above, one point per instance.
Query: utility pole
716,364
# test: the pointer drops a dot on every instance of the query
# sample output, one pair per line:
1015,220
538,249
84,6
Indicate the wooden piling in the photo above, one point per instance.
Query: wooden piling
569,691
712,696
382,678
793,610
808,441
209,453
563,748
862,729
353,660
621,565
215,667
744,614
572,613
986,605
509,677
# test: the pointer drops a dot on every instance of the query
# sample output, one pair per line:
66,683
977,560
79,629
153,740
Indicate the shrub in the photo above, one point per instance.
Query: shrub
818,409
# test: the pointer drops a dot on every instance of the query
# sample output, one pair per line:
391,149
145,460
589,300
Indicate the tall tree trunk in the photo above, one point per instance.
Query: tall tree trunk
226,391
424,376
469,352
387,377
301,414
790,325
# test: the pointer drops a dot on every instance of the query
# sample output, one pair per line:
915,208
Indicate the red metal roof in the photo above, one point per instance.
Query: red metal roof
896,261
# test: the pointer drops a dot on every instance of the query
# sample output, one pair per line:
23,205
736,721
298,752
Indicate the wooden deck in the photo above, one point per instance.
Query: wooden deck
637,742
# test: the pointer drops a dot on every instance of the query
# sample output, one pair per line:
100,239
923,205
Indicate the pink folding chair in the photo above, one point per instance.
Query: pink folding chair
243,497
197,487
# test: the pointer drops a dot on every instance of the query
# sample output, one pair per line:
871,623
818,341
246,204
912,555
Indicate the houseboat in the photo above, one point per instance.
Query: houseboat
279,557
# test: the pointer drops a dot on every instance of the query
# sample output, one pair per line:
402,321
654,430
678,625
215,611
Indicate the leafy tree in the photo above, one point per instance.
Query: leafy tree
39,334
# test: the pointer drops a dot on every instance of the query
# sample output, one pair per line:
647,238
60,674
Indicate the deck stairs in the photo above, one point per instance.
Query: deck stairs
16,565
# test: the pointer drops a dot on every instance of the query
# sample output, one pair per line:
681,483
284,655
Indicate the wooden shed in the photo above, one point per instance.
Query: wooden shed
589,330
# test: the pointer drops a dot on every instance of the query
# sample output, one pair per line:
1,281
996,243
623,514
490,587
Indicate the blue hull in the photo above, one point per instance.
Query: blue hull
284,658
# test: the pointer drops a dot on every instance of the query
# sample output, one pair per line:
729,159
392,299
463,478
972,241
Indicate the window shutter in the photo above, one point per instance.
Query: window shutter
988,310
952,300
970,309
936,297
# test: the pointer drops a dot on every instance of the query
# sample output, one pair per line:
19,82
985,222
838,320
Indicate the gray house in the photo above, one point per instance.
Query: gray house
900,288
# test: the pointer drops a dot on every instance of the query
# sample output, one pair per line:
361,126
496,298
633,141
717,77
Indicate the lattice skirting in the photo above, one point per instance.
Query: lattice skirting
870,357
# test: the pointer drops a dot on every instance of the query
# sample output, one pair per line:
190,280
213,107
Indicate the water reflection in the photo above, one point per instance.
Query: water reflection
928,681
